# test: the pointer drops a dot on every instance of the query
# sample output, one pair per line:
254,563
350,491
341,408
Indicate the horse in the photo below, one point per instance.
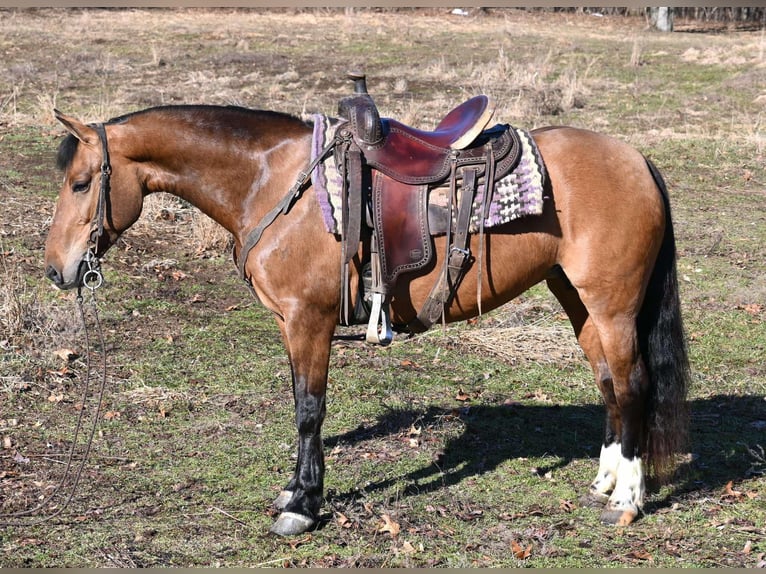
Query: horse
604,245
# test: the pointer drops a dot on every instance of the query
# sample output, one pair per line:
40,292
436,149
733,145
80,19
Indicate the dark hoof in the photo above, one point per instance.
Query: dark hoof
594,499
281,501
618,517
292,524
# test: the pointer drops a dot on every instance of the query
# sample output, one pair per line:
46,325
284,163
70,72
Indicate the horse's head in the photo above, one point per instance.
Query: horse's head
93,208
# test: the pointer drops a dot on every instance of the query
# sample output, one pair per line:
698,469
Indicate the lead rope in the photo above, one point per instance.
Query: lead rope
92,280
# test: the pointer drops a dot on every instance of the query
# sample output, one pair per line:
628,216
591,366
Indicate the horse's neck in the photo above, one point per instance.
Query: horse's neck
226,178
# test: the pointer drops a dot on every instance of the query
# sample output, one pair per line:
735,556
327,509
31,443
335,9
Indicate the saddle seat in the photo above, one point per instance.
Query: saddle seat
458,128
408,154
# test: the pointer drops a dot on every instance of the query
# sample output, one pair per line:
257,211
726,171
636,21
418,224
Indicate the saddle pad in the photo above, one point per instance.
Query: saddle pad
517,195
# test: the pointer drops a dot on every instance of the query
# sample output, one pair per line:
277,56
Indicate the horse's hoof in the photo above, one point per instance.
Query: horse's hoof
594,499
618,517
292,524
281,501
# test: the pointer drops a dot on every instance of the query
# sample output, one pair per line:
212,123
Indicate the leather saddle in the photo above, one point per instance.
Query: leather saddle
389,169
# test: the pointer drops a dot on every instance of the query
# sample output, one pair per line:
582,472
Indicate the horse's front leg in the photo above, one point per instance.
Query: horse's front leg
308,348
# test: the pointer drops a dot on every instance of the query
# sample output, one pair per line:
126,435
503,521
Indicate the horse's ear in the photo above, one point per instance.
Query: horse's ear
82,132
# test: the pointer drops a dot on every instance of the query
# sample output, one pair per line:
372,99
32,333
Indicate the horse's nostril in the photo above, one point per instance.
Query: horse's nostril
52,273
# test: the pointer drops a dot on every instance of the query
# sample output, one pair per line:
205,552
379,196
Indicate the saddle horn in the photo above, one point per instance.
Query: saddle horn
361,111
360,82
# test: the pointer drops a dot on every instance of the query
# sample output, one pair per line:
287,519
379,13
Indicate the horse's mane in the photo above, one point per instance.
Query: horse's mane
207,113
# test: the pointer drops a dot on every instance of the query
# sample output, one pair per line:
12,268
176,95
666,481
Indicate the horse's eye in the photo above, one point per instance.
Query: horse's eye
81,186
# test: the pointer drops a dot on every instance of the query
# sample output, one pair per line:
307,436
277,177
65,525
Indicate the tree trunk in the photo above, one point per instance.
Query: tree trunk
662,18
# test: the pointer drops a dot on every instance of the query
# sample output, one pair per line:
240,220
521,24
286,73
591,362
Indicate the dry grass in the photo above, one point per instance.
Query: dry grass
20,311
537,343
163,212
29,319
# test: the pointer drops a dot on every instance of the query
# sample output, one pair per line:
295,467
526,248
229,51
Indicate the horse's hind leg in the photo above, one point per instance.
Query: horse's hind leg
589,340
630,384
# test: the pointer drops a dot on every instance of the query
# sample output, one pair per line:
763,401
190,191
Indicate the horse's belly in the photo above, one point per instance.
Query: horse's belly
508,262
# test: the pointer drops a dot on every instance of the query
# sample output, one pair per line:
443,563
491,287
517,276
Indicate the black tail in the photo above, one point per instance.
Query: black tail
663,347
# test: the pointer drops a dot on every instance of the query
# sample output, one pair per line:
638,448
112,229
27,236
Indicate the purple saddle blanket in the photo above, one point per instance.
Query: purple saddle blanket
519,194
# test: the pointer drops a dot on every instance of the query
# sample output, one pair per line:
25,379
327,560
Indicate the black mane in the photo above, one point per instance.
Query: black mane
68,146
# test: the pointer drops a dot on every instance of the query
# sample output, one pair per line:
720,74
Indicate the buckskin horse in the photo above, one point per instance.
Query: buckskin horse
604,243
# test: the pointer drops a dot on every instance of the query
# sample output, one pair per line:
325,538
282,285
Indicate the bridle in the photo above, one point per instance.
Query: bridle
92,279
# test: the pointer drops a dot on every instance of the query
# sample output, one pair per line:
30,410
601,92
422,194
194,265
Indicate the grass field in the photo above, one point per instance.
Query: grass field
468,446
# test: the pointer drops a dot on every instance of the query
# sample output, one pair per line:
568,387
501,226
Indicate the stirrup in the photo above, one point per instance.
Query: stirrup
379,327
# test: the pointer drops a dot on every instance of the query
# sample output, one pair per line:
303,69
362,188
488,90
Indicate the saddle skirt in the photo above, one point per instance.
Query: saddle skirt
519,194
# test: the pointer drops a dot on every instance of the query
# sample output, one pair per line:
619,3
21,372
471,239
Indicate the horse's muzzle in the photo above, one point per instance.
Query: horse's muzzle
58,277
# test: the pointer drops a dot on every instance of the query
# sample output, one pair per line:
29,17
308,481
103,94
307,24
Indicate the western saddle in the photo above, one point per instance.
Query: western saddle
388,170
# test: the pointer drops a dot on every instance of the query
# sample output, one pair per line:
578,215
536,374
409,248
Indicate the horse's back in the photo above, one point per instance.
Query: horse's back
595,167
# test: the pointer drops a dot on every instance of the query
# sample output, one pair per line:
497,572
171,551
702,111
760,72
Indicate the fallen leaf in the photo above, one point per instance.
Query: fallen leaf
566,505
343,520
462,396
408,548
729,491
65,354
7,443
20,459
295,543
109,415
748,547
471,514
640,555
440,509
232,308
56,398
389,525
519,552
753,309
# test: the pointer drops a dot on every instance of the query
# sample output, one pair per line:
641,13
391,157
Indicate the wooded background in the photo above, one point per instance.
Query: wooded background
727,14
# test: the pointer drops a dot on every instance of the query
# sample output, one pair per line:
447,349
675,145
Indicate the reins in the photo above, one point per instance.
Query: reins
16,518
92,279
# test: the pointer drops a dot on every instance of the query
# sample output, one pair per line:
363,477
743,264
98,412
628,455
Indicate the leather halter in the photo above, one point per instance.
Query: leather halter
106,171
92,278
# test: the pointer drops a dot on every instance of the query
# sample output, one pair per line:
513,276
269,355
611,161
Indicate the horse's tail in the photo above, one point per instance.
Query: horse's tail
663,347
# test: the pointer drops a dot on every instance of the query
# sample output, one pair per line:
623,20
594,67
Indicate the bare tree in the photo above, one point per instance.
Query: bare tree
662,18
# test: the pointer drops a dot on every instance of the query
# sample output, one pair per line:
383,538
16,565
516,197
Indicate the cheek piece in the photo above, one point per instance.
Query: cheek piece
92,278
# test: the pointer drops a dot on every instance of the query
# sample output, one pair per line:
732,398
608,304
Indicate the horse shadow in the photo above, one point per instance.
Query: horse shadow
726,433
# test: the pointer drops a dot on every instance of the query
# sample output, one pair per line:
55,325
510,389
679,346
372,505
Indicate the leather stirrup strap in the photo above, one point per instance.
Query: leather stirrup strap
489,189
455,264
351,228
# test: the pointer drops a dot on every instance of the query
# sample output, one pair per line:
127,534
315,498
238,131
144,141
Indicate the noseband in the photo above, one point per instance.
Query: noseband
92,279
